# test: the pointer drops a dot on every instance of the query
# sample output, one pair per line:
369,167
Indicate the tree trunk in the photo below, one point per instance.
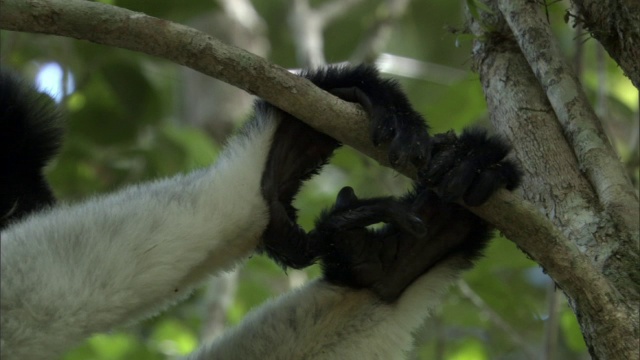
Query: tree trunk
557,181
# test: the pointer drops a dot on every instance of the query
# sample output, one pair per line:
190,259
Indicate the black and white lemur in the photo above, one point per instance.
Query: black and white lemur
72,270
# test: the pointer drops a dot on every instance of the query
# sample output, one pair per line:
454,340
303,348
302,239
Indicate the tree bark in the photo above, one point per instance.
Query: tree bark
559,178
616,25
579,122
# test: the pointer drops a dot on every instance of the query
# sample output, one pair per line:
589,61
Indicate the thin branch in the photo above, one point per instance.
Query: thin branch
578,57
330,11
580,123
378,36
416,69
553,322
306,29
496,319
218,298
243,12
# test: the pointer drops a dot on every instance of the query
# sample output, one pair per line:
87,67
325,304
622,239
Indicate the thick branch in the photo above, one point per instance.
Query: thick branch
580,123
108,25
600,290
517,103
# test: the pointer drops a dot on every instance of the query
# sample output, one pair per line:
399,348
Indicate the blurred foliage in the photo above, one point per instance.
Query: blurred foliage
123,125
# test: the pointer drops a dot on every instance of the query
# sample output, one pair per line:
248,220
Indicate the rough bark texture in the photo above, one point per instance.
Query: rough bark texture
616,25
604,296
581,126
570,231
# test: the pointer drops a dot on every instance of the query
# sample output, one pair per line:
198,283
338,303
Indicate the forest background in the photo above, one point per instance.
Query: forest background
133,117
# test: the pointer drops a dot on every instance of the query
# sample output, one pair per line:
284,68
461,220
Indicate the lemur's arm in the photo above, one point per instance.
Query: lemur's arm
30,135
72,270
75,269
380,285
392,122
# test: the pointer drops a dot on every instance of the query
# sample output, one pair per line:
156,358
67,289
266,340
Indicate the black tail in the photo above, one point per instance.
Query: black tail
30,135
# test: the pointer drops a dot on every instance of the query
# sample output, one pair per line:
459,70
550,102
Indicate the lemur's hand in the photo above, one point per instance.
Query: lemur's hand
298,151
470,167
392,119
424,228
384,261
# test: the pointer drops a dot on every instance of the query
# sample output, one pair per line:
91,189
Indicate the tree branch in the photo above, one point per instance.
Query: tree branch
379,33
497,320
522,110
308,24
330,11
616,25
580,124
306,29
113,26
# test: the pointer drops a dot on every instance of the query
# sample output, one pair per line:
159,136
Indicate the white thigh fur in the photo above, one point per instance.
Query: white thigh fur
74,270
321,321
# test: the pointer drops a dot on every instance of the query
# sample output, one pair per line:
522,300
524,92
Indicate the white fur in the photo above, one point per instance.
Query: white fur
324,322
75,270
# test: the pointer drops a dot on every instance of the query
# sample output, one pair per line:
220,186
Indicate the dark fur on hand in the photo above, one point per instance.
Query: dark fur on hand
470,167
30,135
388,260
298,151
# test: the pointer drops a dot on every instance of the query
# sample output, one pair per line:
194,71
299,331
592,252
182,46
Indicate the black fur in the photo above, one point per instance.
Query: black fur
298,151
392,119
423,228
30,135
388,260
471,167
